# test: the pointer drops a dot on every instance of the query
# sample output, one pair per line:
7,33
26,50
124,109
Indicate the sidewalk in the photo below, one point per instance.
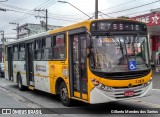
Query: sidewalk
156,80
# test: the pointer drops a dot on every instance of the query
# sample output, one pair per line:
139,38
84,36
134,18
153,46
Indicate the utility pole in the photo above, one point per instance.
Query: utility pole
17,28
96,9
46,17
3,40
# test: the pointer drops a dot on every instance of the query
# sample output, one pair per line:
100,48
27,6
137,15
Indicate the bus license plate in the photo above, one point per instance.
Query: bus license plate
128,93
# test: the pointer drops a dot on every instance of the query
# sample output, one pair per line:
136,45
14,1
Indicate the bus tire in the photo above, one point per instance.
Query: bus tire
20,85
66,101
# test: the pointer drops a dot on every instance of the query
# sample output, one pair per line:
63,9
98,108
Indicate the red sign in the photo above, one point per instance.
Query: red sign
151,19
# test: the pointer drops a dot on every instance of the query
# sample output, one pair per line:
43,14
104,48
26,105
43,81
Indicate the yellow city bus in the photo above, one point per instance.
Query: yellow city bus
94,61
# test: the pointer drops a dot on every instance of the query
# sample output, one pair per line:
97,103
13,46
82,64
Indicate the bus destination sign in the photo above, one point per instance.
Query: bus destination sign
118,26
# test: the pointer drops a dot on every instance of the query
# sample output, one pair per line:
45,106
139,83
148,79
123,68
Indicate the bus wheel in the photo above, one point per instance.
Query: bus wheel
66,101
20,86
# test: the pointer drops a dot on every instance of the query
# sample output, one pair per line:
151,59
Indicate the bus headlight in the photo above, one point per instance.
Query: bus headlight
147,83
95,82
100,86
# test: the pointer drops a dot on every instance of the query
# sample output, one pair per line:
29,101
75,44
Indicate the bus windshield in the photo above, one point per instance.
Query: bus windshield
120,53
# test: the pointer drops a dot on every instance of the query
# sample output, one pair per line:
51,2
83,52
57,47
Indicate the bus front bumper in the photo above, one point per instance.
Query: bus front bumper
100,96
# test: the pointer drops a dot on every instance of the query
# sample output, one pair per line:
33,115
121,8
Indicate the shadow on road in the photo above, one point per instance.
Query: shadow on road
84,108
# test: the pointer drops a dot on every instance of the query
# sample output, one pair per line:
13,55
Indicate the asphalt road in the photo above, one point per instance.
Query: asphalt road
11,97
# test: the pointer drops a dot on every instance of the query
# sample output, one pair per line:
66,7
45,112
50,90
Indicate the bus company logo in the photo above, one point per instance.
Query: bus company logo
41,68
130,85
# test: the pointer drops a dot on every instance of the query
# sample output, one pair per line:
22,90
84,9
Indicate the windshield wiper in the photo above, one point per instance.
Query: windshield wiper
118,43
121,48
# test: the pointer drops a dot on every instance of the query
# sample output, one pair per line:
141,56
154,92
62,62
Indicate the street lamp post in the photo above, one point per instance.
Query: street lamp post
74,7
96,9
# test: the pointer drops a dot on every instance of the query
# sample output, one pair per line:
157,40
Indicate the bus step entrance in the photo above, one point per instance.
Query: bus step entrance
31,83
31,87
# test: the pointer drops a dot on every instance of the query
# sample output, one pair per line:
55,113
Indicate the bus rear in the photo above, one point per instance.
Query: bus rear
119,65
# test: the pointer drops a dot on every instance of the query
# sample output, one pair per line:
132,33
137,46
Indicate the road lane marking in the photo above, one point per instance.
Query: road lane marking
156,89
3,84
147,103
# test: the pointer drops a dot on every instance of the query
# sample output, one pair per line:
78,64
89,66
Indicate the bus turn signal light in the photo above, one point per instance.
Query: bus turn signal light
95,82
100,86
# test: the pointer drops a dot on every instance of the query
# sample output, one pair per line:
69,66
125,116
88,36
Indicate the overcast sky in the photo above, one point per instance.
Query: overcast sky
21,11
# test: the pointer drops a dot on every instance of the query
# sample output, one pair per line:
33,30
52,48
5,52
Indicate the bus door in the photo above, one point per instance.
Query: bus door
78,65
10,63
29,63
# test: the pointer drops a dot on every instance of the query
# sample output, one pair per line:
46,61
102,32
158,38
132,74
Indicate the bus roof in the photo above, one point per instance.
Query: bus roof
28,38
73,26
85,23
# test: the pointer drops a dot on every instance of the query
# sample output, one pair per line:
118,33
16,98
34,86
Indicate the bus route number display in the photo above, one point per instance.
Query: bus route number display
118,26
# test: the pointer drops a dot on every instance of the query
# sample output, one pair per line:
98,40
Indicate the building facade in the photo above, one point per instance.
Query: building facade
152,20
25,30
31,29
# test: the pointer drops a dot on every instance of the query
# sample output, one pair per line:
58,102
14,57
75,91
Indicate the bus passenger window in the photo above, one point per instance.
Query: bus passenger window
37,52
46,48
59,48
22,52
15,52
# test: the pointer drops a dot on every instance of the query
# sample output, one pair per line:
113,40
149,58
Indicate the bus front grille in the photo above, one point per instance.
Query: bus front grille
120,95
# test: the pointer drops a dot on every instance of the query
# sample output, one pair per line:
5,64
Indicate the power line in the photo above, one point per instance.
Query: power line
25,16
34,15
18,9
137,13
105,14
119,5
134,7
49,4
101,10
30,12
38,7
14,7
62,19
101,15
